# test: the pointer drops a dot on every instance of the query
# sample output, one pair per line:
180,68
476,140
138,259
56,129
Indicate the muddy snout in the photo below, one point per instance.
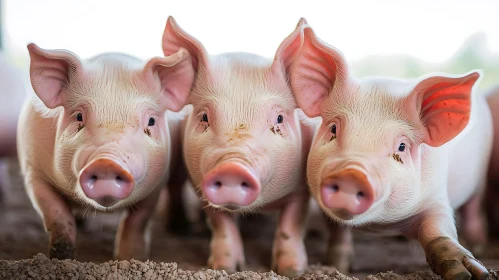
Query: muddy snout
347,192
106,181
231,185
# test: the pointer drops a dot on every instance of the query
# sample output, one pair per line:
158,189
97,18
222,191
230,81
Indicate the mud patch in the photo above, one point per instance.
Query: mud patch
80,127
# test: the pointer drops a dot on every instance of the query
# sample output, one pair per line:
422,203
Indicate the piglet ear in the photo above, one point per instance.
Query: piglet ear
315,71
444,105
175,76
286,53
175,38
50,72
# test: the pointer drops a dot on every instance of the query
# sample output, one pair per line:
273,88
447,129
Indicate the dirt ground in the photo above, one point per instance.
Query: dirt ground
22,237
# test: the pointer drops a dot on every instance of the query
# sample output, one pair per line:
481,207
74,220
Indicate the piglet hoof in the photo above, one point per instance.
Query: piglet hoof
290,258
61,249
225,264
451,261
225,256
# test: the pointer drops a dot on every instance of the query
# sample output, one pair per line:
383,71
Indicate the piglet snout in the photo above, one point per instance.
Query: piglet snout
231,183
347,191
106,181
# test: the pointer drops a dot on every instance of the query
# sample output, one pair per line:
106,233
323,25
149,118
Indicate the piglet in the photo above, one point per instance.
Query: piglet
245,147
396,156
101,134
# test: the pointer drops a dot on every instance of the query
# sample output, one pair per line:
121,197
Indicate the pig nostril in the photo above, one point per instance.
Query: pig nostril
335,188
360,194
218,184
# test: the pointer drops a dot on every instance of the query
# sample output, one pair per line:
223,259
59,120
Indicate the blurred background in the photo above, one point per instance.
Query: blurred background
385,37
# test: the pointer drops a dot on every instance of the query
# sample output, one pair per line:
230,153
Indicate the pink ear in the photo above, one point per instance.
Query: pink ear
317,68
445,105
176,77
286,53
50,72
175,38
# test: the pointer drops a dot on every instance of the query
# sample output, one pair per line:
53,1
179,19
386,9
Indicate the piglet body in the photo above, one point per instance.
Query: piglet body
396,156
245,147
97,136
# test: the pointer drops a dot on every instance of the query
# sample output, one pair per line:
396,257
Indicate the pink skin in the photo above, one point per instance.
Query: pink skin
245,147
492,192
104,177
231,183
13,93
348,190
97,132
379,157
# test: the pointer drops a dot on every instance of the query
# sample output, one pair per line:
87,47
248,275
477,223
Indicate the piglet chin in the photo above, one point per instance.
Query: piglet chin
106,181
231,185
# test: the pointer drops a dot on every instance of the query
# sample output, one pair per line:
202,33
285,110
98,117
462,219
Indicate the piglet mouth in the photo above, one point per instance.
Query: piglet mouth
106,181
230,207
344,215
107,201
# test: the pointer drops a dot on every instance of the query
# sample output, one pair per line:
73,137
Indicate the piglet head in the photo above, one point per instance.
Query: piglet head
112,143
365,163
242,143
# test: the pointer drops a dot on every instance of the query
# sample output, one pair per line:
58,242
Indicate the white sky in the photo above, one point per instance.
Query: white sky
428,29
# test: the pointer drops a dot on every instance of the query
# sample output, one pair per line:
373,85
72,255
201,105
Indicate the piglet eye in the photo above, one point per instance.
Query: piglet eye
79,117
280,119
205,117
402,147
152,121
333,129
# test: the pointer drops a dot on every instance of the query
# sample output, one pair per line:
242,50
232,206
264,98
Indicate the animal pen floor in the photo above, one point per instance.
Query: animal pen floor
22,237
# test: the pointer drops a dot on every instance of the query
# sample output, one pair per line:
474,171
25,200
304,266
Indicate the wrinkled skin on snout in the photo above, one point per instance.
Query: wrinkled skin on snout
396,156
97,136
245,146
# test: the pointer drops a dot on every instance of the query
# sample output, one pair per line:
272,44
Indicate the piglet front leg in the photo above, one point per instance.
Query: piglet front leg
133,235
226,247
289,257
57,217
444,254
340,248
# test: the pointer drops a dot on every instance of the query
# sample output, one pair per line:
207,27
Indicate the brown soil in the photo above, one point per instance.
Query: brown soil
22,238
